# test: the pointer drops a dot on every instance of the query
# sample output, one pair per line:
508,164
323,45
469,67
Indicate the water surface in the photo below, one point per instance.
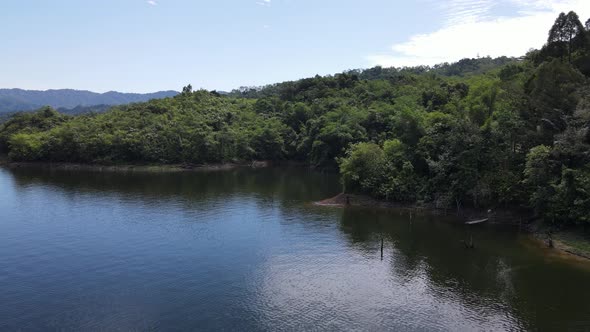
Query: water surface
245,250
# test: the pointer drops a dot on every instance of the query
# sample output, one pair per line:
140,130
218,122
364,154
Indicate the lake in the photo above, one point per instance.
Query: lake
246,250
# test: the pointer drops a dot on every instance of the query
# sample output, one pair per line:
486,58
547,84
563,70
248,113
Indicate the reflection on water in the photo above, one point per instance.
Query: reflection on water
245,250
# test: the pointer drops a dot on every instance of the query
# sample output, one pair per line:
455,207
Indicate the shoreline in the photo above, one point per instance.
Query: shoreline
507,216
568,243
171,168
565,243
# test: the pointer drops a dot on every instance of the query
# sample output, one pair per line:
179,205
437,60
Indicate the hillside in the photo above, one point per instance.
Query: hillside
461,69
481,132
14,100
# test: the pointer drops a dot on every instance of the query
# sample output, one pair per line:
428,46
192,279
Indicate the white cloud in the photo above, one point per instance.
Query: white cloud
152,2
264,3
470,30
461,11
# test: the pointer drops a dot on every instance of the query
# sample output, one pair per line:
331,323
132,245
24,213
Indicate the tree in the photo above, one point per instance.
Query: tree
26,147
268,141
363,167
571,199
553,93
42,120
566,30
538,177
187,89
588,25
482,99
336,131
452,150
401,181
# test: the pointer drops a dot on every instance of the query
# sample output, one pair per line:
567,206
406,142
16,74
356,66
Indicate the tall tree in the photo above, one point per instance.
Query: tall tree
567,29
187,89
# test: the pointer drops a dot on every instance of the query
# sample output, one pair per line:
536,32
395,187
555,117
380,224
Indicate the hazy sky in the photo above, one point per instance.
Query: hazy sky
142,46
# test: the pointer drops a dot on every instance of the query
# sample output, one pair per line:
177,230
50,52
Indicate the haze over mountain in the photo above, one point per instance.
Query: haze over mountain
14,100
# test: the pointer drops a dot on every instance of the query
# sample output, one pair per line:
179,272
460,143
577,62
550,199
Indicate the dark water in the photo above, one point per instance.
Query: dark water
245,250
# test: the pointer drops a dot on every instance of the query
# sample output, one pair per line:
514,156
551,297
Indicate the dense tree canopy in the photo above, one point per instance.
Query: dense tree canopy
568,32
478,132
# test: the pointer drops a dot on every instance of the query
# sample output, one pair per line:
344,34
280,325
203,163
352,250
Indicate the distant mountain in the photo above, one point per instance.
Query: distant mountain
14,100
9,104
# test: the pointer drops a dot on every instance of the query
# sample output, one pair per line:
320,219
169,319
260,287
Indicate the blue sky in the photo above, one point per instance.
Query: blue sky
143,46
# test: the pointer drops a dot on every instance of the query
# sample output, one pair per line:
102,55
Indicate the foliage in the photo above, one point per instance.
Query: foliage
363,167
538,176
479,132
28,123
567,32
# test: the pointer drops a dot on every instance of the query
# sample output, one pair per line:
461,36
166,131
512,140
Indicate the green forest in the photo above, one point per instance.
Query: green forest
480,132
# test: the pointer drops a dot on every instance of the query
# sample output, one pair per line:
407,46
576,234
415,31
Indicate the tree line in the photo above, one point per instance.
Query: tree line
479,132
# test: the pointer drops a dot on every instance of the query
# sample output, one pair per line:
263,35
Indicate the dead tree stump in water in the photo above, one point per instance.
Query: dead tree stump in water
470,244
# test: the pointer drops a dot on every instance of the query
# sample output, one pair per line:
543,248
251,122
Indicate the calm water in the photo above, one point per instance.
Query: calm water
245,250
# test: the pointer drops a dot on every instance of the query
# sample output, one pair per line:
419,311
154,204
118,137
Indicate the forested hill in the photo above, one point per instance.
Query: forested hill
482,132
13,100
462,68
